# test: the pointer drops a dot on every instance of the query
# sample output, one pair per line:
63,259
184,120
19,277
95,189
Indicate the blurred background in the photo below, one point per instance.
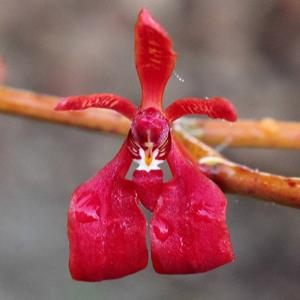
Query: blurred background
247,51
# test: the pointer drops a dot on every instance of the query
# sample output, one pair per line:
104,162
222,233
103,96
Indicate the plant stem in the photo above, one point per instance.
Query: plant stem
24,103
238,179
266,133
230,176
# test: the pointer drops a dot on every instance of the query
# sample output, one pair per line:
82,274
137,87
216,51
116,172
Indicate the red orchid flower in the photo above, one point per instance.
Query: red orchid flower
106,228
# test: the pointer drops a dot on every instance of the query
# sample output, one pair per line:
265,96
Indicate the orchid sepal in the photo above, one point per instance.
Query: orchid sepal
154,58
108,101
216,108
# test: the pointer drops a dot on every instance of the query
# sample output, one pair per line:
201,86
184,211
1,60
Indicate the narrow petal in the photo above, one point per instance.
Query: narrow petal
188,229
154,58
106,229
217,108
110,101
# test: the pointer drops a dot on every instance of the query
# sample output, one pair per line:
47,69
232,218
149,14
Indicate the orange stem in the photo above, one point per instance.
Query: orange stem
238,179
20,102
266,133
231,177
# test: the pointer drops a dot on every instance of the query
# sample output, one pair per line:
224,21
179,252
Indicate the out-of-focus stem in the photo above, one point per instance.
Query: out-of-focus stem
266,133
24,103
229,176
238,179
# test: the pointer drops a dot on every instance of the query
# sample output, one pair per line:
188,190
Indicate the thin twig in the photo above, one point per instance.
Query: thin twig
21,102
231,177
238,179
266,133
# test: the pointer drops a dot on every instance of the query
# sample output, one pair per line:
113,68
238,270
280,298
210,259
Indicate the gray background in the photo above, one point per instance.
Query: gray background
247,51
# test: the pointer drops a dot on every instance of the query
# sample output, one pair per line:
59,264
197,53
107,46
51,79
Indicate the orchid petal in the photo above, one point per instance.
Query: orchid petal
188,229
154,59
106,229
218,108
109,101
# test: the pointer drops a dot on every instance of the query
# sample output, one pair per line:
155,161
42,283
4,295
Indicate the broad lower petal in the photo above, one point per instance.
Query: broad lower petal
188,228
217,108
106,229
154,59
109,101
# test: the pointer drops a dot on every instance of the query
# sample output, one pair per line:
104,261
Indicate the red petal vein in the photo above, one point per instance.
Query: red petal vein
154,58
217,108
109,101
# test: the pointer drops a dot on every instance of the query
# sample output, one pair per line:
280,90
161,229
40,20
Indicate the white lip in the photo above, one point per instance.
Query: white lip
154,163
